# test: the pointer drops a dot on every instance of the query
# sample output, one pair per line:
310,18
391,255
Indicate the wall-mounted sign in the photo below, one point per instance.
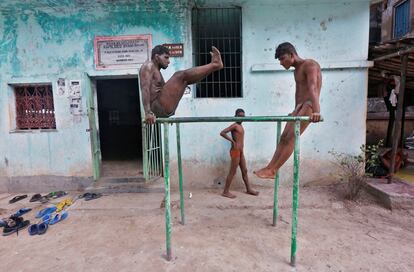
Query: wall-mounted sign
176,49
121,52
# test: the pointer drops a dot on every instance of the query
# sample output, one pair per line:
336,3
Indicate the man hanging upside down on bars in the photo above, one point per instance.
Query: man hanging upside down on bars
308,88
161,98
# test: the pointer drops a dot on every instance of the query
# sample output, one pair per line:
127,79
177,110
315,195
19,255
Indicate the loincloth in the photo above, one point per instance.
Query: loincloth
158,110
235,153
300,106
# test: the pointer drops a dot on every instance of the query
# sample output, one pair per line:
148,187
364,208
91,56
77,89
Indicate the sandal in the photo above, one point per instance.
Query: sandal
35,198
17,198
58,217
64,203
21,212
92,196
15,225
46,211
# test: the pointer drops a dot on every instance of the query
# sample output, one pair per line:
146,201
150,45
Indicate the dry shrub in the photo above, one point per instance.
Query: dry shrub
352,171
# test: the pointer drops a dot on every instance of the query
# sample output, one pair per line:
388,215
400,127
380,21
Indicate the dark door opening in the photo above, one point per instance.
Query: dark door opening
119,127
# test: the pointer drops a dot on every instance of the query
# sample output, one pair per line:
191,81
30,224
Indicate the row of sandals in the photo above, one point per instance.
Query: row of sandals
47,216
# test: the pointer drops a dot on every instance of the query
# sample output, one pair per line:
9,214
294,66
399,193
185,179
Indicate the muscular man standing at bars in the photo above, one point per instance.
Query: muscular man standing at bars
161,98
308,88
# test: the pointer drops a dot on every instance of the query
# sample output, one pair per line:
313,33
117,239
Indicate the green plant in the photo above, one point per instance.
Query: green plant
352,171
372,157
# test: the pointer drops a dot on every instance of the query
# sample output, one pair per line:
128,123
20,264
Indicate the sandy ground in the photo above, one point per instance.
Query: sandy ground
126,232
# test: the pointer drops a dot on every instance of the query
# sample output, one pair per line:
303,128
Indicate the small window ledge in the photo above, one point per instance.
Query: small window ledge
32,130
325,65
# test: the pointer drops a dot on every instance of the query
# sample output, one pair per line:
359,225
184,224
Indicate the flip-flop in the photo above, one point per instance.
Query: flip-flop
33,229
92,196
42,228
44,199
35,198
63,204
59,217
46,218
56,194
21,212
17,198
85,195
46,211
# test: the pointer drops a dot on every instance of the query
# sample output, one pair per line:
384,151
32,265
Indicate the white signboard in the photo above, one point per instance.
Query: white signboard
121,52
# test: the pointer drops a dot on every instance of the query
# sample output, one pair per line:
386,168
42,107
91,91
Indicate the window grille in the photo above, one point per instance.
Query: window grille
34,107
220,27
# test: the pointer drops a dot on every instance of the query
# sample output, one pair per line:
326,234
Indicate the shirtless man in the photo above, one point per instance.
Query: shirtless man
308,88
161,98
236,155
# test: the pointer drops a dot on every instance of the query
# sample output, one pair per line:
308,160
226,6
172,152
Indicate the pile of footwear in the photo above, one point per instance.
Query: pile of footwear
47,216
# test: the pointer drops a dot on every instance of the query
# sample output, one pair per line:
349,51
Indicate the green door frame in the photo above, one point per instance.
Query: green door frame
90,92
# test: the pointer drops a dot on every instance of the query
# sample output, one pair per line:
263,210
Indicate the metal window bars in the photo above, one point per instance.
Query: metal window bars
220,27
34,107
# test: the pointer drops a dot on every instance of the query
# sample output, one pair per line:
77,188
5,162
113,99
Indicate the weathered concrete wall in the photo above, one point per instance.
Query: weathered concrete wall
332,33
41,41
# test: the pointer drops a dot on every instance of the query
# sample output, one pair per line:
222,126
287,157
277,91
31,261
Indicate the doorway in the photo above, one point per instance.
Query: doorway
120,131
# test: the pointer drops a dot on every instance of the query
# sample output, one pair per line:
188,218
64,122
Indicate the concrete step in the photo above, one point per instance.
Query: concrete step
112,185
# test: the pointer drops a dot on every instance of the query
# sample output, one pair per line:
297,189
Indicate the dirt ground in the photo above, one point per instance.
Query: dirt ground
126,232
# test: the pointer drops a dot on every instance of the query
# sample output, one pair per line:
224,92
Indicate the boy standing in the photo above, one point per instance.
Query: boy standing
236,155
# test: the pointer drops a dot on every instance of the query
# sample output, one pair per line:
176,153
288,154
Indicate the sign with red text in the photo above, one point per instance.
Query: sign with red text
176,49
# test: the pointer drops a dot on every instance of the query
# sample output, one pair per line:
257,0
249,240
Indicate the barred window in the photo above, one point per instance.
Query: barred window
34,107
220,27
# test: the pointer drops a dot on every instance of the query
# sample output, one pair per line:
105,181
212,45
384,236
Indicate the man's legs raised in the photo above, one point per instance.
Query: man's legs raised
173,89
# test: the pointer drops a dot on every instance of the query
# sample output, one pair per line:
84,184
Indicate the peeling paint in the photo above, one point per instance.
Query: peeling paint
53,38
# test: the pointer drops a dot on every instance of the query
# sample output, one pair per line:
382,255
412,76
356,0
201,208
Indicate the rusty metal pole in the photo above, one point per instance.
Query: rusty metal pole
398,116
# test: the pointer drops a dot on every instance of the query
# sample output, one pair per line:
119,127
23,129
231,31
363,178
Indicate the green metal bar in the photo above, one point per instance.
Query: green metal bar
276,190
295,206
145,153
151,152
233,119
157,143
167,192
180,174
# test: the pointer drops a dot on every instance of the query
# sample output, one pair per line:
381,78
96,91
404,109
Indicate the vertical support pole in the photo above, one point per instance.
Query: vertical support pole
398,117
276,190
145,150
295,193
167,192
180,174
